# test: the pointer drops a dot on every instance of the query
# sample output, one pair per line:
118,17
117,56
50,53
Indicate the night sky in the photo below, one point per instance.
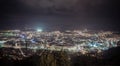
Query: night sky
60,14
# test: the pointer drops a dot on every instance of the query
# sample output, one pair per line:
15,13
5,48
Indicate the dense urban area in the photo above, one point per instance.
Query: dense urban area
56,48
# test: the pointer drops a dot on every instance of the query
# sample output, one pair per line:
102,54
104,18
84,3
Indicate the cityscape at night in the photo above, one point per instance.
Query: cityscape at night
59,33
83,41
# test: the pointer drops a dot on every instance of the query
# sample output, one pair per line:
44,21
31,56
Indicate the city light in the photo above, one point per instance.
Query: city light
39,30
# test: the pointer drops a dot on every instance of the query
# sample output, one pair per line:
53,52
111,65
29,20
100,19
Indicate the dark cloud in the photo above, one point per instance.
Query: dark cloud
60,14
63,6
61,3
73,7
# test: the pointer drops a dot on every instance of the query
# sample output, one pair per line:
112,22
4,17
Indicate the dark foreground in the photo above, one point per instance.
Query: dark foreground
12,57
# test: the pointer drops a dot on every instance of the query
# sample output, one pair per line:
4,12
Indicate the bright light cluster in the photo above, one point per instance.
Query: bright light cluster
39,30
